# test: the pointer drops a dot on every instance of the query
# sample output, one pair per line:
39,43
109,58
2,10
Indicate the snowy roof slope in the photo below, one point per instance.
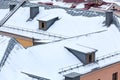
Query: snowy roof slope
12,71
3,12
53,54
7,73
46,60
3,45
42,64
105,42
52,57
66,22
76,25
24,14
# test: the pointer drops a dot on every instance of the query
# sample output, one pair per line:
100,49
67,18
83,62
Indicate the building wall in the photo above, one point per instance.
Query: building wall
25,43
103,73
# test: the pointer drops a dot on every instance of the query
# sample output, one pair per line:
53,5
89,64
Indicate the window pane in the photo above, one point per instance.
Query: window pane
90,58
115,76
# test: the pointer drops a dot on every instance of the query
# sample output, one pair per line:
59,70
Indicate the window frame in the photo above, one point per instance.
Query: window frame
42,25
90,58
115,76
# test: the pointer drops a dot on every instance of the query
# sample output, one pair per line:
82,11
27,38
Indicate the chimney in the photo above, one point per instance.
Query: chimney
33,12
85,54
109,18
11,6
72,76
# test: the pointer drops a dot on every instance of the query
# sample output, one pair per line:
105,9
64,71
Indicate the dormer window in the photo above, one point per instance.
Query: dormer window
42,26
85,54
46,22
90,58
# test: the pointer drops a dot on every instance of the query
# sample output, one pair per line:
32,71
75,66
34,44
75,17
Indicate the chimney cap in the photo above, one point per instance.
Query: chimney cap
72,75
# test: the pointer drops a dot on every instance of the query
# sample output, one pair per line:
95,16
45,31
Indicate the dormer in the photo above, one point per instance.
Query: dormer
85,54
46,22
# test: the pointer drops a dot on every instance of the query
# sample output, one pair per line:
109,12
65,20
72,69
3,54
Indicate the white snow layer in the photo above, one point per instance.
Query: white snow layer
3,45
78,24
46,60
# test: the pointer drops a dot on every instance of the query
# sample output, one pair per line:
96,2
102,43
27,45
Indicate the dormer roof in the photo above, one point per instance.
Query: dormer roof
81,48
48,17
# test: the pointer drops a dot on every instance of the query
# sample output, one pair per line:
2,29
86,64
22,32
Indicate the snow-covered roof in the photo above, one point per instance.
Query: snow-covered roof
65,22
12,71
8,47
3,12
105,42
53,60
35,60
22,60
56,51
3,45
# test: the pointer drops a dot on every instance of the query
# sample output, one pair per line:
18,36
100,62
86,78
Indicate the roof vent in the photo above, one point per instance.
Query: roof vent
85,54
33,12
46,22
109,18
72,76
